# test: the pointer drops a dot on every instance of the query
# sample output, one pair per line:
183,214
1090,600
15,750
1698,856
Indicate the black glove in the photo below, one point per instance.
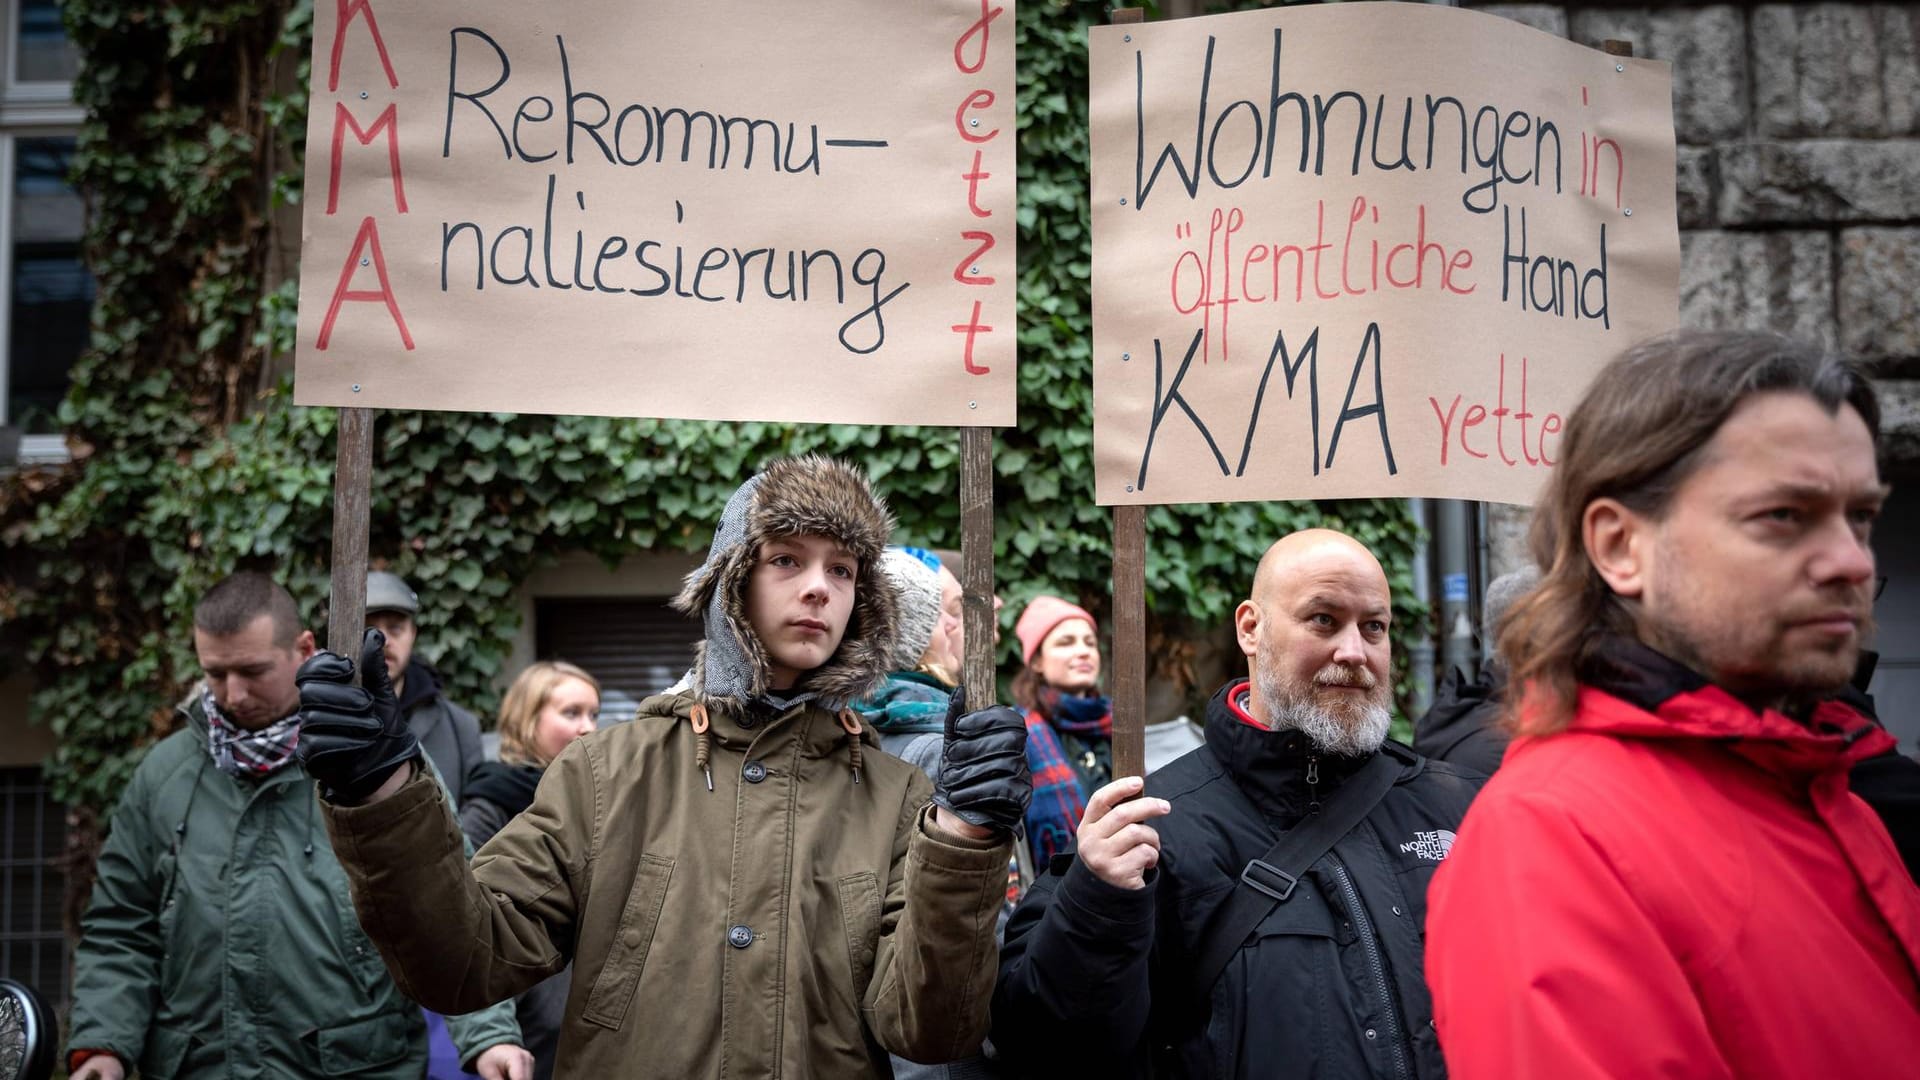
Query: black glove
983,766
351,739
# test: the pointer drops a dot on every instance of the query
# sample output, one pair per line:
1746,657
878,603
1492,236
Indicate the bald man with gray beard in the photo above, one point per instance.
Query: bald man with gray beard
1254,908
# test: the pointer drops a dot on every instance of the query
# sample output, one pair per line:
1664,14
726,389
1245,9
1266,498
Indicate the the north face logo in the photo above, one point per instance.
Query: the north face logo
1429,845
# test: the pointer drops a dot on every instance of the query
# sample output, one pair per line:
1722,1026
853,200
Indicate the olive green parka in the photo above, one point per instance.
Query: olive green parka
744,884
790,922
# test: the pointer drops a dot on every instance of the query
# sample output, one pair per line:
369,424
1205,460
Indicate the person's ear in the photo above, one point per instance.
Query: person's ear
1246,627
303,645
1619,544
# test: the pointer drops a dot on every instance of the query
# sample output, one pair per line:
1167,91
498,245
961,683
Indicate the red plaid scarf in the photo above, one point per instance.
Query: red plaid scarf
1059,801
254,754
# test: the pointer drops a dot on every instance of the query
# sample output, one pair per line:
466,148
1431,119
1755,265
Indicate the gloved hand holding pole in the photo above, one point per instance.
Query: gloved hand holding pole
984,779
352,739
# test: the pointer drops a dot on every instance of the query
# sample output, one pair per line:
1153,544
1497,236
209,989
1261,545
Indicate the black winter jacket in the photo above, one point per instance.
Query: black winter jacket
1463,724
1093,978
495,794
448,733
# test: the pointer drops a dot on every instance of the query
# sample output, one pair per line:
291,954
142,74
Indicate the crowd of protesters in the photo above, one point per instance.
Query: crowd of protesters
812,857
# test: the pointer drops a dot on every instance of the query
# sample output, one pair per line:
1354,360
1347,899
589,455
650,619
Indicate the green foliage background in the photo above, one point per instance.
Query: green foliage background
182,473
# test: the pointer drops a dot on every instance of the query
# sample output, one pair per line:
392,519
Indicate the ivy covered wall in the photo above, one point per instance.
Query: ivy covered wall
184,470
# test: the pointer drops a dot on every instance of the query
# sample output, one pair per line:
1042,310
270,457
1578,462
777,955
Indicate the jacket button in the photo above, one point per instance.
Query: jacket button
1396,911
754,772
633,938
740,935
1371,1034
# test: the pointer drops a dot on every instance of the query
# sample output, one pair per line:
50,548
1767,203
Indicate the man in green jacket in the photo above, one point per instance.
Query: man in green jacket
744,884
220,940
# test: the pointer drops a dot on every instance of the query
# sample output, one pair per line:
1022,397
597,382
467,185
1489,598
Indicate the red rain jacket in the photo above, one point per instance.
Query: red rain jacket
1677,887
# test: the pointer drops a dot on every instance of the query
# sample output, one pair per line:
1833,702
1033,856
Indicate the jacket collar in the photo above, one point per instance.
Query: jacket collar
1631,690
193,716
422,683
735,729
1272,767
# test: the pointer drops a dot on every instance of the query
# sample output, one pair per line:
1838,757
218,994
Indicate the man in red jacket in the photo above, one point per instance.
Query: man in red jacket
1668,876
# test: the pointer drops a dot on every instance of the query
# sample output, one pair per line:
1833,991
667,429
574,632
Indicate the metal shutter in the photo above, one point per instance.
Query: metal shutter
636,645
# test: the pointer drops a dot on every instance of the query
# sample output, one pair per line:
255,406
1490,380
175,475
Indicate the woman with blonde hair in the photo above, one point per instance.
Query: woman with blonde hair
549,705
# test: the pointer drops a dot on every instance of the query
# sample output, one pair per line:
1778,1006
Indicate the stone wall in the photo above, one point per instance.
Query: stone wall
1799,177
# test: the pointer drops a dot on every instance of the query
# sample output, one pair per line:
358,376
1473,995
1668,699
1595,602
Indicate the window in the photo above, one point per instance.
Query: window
33,829
41,51
46,292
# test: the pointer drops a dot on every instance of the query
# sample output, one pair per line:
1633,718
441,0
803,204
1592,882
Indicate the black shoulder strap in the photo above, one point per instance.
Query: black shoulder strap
1270,879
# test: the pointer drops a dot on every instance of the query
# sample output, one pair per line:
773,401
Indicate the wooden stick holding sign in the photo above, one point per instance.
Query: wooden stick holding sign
1129,611
352,495
976,565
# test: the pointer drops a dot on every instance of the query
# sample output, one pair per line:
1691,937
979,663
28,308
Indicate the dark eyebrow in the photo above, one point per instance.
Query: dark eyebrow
1817,492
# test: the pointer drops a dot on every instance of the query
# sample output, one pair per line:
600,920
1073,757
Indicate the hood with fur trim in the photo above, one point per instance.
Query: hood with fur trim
804,496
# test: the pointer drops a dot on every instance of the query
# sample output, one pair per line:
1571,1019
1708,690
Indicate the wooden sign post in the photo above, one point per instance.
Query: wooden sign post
1129,610
352,496
976,565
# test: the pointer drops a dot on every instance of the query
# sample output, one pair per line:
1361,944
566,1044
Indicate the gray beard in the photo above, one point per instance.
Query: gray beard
1355,732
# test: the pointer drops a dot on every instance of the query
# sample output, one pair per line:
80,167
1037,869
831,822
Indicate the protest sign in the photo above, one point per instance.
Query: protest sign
1364,250
714,209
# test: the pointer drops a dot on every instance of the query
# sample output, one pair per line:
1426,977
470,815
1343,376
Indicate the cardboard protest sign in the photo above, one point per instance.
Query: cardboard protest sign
715,209
1364,250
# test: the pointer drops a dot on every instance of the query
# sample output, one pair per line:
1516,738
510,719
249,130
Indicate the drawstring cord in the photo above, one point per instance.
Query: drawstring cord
702,746
313,797
851,725
180,827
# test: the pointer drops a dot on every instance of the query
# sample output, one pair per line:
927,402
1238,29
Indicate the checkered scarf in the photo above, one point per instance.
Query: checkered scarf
1059,801
252,754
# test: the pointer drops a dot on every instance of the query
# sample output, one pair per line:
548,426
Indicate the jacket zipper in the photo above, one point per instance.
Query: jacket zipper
1372,946
1313,784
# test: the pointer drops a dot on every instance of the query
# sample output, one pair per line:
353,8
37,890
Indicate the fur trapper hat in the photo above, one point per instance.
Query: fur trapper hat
804,496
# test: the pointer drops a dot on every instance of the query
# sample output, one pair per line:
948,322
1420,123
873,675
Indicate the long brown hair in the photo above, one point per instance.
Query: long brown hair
520,710
1638,434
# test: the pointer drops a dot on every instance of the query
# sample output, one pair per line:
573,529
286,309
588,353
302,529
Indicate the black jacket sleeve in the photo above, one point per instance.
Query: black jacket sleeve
1074,990
1890,783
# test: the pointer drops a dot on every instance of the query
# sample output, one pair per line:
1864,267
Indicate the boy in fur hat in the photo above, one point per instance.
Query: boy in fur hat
743,887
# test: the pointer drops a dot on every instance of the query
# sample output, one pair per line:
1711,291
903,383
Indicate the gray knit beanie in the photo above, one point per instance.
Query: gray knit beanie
916,590
1500,596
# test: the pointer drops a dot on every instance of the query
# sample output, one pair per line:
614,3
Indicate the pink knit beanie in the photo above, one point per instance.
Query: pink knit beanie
1039,619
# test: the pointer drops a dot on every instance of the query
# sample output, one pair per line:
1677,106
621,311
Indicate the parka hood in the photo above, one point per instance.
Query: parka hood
422,684
192,715
804,496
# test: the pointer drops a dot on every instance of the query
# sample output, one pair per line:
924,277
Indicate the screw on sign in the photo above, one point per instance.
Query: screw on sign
970,56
